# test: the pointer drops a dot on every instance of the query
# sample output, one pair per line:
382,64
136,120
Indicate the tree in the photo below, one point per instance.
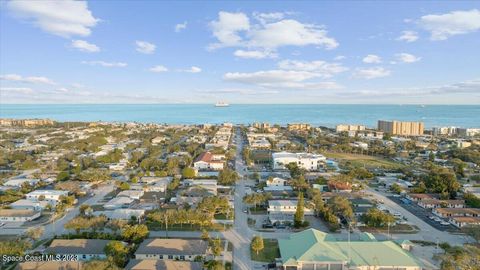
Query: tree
295,171
63,176
461,258
84,209
299,213
34,233
377,218
473,231
299,183
396,188
341,206
99,265
124,186
116,224
257,244
205,236
227,177
216,246
188,172
117,252
14,247
135,233
471,200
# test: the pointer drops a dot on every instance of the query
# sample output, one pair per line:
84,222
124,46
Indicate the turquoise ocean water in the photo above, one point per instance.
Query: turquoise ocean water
324,115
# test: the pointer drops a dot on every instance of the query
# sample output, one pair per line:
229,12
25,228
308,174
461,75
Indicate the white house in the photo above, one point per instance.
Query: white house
209,161
133,194
276,181
307,161
29,205
49,195
171,249
118,202
280,211
124,214
19,182
156,184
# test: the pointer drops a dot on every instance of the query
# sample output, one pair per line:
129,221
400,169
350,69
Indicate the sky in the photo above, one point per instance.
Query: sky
329,52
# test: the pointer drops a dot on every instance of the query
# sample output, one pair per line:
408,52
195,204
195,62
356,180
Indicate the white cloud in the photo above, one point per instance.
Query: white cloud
21,90
105,64
180,26
264,18
84,46
290,33
320,68
31,79
407,58
255,54
227,28
63,18
158,69
145,47
371,73
234,29
372,59
443,26
339,57
193,69
408,36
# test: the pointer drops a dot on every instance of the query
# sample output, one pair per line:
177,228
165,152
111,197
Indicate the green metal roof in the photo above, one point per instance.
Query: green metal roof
316,246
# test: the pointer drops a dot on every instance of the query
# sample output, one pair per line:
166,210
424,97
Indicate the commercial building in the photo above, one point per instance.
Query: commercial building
401,128
299,127
341,128
18,215
307,161
313,249
50,195
209,161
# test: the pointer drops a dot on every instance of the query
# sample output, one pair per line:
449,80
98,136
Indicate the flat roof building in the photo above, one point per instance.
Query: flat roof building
401,128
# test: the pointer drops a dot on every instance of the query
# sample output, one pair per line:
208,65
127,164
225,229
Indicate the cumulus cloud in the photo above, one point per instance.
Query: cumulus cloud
63,18
84,46
192,69
158,69
443,26
273,31
320,68
408,36
255,54
371,73
407,58
372,59
180,26
30,79
145,47
105,64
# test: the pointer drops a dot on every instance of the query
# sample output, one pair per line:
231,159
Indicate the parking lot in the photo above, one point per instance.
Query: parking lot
423,214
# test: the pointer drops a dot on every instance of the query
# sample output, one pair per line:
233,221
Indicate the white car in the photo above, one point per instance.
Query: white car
444,223
437,219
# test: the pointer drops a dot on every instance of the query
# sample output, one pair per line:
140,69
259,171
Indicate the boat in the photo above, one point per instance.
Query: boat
221,104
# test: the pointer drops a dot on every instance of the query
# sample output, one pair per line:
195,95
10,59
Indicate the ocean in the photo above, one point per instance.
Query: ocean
318,115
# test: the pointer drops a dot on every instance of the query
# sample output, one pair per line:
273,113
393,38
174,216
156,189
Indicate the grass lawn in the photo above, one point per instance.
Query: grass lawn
187,227
269,253
363,160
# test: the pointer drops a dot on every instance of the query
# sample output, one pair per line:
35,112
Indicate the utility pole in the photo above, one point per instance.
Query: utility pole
166,224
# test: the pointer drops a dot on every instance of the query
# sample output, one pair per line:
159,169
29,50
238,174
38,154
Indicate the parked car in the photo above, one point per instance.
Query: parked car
444,223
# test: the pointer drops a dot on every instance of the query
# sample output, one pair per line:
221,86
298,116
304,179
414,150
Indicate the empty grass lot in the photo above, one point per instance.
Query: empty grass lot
269,253
357,160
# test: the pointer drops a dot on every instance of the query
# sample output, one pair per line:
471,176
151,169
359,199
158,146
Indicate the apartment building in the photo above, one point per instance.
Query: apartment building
307,161
401,128
344,127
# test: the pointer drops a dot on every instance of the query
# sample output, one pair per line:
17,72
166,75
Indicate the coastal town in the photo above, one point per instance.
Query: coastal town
129,195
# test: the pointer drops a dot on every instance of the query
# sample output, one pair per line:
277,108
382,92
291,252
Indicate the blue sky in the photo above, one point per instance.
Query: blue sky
240,52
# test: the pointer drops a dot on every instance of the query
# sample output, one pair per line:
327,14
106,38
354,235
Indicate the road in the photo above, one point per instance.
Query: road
427,232
56,227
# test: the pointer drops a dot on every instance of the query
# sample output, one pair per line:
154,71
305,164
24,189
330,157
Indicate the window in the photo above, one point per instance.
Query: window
170,257
160,257
182,257
84,256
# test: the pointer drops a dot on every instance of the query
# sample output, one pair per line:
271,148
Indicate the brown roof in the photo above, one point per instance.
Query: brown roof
162,265
423,196
475,220
77,246
17,213
172,246
205,156
435,201
473,211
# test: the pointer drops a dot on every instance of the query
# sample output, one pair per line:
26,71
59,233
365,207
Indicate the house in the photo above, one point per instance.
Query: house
192,195
456,212
133,194
171,249
49,195
276,181
157,184
416,197
163,265
29,205
461,222
282,211
313,249
84,249
123,214
307,161
209,161
434,203
18,215
19,182
118,202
